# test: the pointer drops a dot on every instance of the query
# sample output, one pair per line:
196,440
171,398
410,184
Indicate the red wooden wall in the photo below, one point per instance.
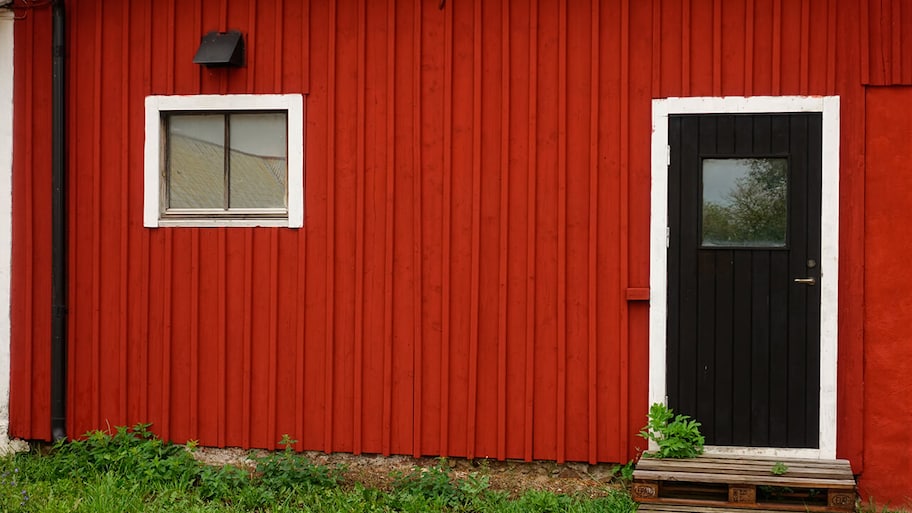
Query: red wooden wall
476,219
888,301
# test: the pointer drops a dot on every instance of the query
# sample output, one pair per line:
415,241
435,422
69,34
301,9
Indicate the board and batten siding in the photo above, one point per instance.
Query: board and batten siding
471,278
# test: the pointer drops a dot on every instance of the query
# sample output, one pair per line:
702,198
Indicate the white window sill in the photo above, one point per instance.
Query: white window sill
222,223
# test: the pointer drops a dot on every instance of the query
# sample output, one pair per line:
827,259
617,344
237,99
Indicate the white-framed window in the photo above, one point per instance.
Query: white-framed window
224,160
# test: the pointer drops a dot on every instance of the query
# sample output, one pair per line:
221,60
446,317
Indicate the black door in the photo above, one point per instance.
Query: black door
743,341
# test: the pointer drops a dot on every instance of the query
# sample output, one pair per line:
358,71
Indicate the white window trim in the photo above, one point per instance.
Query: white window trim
155,105
6,173
828,106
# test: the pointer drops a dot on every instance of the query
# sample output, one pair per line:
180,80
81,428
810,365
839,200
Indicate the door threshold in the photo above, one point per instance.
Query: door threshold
770,452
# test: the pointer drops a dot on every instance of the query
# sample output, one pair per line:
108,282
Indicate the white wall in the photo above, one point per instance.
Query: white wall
6,169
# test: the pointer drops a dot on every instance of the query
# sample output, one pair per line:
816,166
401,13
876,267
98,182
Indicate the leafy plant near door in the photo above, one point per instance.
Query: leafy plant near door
678,436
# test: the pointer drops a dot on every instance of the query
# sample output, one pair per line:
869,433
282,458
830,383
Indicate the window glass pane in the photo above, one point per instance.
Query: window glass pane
744,202
196,161
259,169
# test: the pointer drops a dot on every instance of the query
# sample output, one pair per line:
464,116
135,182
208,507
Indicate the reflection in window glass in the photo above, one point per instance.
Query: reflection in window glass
745,202
196,161
258,160
254,171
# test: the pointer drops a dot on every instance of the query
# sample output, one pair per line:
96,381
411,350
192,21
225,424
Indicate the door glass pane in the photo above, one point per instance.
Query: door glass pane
744,202
259,169
196,161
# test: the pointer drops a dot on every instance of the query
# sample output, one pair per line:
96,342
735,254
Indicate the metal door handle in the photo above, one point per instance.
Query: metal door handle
806,281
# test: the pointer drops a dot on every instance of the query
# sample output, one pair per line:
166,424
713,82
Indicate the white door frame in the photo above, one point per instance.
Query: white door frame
828,106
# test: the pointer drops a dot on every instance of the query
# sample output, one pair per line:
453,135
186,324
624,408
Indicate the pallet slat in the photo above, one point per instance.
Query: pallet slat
768,480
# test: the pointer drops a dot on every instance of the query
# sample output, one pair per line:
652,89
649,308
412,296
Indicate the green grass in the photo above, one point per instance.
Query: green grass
132,471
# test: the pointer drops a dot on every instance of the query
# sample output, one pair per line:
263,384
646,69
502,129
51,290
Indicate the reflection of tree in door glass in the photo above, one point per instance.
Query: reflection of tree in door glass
745,202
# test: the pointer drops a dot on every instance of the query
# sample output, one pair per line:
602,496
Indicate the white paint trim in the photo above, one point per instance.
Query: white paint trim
155,105
6,173
829,265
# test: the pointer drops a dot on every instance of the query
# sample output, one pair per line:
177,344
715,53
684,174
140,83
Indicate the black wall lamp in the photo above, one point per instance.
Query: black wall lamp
219,49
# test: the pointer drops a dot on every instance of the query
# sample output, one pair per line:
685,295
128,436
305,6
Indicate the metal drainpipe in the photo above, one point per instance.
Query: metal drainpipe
59,227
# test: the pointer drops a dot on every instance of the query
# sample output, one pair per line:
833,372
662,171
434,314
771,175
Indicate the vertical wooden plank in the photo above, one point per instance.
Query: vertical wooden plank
724,373
123,348
504,229
592,314
417,268
676,331
895,72
247,339
805,47
360,114
272,352
749,59
562,233
301,296
221,352
685,46
865,43
305,47
657,72
623,205
166,336
22,281
812,418
390,210
252,34
776,81
446,253
96,205
799,295
476,231
145,246
531,231
193,430
278,23
717,48
832,43
330,234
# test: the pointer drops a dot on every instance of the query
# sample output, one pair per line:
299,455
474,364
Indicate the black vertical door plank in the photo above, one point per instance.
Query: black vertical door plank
760,350
778,349
689,232
672,352
725,297
815,183
744,136
798,340
723,341
725,134
742,305
706,335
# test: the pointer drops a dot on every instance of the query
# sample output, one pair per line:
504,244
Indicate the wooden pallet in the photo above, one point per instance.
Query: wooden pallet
655,507
745,483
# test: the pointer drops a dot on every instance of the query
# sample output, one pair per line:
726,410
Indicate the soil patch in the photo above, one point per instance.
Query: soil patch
514,477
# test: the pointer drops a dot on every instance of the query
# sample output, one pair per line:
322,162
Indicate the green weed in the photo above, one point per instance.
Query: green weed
677,436
130,470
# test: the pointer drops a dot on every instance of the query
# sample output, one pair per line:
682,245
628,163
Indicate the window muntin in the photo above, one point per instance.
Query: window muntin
263,134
